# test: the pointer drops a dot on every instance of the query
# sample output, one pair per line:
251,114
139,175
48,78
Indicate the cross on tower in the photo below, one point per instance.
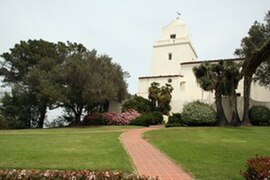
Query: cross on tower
178,14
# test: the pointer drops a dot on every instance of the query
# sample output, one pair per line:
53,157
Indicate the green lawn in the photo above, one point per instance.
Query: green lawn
212,153
64,148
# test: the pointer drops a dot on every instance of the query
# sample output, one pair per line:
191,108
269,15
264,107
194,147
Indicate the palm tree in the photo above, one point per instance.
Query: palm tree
209,77
230,83
249,67
165,98
153,95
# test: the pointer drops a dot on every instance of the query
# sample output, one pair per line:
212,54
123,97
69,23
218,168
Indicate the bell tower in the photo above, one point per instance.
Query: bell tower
173,47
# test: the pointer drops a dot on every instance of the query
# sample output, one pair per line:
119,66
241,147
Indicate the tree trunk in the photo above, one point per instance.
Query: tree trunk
28,121
77,118
221,118
106,106
78,114
43,111
235,121
247,86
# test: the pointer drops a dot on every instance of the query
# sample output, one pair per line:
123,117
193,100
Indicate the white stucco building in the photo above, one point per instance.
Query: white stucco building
172,61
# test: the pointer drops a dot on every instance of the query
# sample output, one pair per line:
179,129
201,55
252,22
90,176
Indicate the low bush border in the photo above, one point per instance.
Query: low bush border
32,174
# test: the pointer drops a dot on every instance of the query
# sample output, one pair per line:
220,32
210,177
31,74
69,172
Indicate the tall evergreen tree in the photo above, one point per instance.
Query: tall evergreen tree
28,66
255,49
89,81
18,109
61,75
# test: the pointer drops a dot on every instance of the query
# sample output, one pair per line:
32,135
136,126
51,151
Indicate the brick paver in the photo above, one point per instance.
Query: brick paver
148,160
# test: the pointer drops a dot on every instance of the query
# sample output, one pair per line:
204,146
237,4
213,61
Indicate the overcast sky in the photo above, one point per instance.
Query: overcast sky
127,29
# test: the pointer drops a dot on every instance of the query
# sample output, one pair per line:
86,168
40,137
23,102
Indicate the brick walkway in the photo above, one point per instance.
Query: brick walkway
148,160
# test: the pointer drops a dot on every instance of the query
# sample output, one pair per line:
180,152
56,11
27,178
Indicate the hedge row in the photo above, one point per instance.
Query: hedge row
130,117
68,175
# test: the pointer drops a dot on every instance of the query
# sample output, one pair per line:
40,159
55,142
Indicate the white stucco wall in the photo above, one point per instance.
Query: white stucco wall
258,93
178,94
240,103
161,65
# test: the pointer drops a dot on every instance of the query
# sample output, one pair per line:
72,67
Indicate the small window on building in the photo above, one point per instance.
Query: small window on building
169,80
238,94
173,36
170,56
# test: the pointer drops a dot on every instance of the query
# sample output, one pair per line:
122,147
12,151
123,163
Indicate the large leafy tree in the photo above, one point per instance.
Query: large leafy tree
18,109
28,66
63,74
256,49
262,74
89,81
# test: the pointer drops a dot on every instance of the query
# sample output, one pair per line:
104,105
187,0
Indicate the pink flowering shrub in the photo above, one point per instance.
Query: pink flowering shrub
111,118
123,118
67,175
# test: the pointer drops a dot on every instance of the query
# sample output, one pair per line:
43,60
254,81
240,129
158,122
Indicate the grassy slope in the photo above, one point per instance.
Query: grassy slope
67,148
212,153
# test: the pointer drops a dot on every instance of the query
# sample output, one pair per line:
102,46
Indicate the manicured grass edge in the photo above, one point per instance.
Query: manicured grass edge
173,160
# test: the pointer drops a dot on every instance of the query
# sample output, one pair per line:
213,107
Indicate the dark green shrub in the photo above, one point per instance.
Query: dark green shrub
157,118
3,122
137,103
94,118
175,118
257,168
259,115
148,119
198,114
141,121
